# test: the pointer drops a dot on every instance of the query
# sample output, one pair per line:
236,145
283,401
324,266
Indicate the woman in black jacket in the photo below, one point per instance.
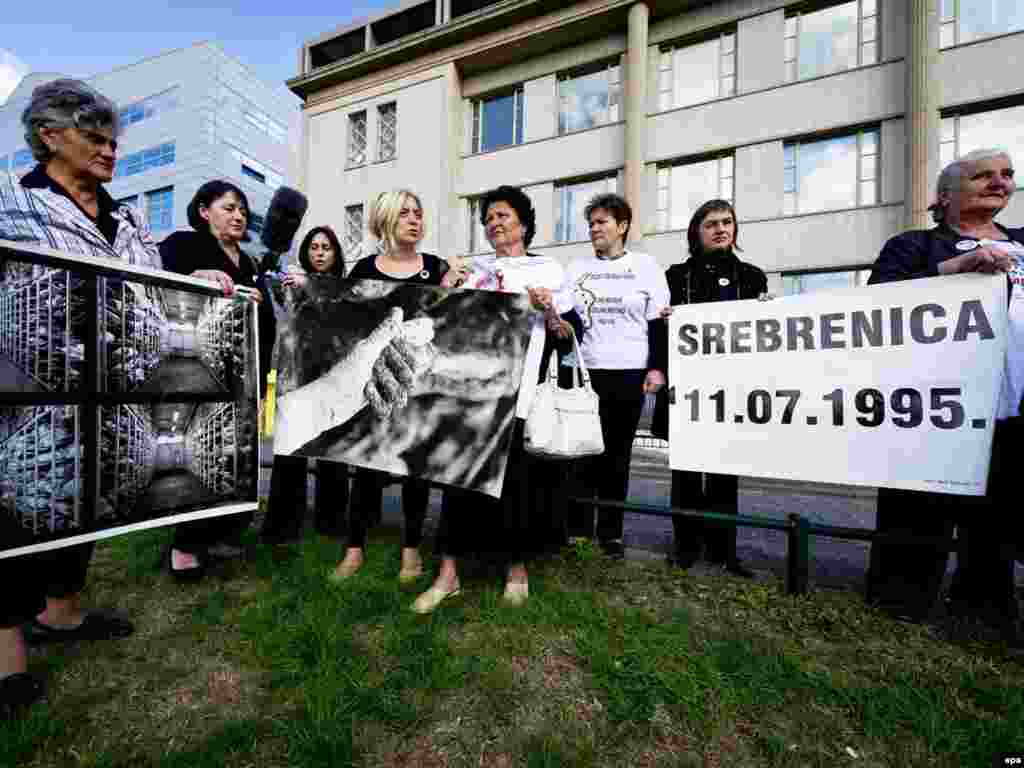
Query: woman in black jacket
905,578
219,213
712,273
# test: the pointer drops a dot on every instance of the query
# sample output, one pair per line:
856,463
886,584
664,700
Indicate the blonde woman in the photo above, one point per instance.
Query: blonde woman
397,222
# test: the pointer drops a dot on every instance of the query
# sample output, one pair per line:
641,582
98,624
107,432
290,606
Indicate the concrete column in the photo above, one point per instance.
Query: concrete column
636,116
922,116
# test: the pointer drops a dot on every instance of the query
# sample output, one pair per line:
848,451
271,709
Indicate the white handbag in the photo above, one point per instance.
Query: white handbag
564,423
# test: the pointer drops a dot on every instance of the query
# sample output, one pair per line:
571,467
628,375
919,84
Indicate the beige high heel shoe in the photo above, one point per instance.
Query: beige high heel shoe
433,597
345,569
516,592
412,566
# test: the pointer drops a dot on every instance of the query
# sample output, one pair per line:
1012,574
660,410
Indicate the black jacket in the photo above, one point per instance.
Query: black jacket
698,280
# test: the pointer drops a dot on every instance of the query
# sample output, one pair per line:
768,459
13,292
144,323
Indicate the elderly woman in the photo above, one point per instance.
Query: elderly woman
620,295
712,273
517,523
905,578
218,215
72,132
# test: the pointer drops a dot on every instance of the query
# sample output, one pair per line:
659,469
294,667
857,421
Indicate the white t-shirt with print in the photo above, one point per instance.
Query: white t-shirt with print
514,274
1013,377
615,299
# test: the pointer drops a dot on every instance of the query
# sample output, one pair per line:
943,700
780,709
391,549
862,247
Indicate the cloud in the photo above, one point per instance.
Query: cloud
12,69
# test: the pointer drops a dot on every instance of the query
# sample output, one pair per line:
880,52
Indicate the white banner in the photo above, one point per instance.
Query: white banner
892,385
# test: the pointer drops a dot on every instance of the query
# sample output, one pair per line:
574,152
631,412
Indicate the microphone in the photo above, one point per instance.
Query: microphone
284,216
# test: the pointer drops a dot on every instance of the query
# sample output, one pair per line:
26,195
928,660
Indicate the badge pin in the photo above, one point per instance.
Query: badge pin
967,245
723,281
424,274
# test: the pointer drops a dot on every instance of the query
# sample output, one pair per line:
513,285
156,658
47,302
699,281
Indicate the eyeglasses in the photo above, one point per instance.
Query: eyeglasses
99,140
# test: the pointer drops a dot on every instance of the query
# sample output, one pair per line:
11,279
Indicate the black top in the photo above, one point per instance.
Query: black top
187,252
37,178
918,253
431,274
698,280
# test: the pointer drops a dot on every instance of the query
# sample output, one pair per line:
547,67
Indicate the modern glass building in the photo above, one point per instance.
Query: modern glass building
189,115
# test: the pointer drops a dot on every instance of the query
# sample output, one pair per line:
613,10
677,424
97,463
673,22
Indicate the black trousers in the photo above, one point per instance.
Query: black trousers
368,498
27,580
705,492
907,578
607,476
286,508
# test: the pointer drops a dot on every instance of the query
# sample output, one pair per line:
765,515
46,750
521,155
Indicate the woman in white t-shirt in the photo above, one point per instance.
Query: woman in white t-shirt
525,518
619,295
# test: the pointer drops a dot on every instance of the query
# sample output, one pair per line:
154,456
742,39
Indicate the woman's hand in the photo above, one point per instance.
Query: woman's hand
654,381
985,259
541,298
223,279
666,312
294,280
457,274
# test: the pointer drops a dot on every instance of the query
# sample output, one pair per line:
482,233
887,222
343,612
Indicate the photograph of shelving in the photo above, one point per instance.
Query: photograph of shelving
127,397
41,466
42,314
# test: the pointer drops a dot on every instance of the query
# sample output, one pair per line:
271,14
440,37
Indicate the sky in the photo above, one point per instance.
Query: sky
82,39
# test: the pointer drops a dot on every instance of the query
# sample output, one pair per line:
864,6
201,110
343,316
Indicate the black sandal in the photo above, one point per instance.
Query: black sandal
18,692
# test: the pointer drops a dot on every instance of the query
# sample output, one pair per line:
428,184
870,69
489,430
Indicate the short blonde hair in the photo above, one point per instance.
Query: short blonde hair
384,215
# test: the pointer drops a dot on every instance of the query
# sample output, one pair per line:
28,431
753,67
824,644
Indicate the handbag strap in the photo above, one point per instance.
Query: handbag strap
580,365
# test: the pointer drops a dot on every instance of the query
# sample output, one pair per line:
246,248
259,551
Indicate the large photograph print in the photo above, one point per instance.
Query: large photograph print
127,399
405,379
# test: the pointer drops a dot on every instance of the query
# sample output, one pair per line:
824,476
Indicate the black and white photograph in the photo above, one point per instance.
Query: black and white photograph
154,340
405,379
128,398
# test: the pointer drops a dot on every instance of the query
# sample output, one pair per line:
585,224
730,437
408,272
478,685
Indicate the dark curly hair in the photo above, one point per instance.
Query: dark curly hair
616,205
693,231
205,197
519,202
338,270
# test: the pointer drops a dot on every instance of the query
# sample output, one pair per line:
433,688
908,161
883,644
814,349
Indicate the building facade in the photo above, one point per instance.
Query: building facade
188,116
824,122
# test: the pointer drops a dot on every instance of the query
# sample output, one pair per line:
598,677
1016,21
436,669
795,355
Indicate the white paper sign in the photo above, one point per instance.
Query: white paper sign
891,385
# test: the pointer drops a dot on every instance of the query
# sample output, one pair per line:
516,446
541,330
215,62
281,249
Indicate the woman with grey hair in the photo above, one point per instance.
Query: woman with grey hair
905,578
61,203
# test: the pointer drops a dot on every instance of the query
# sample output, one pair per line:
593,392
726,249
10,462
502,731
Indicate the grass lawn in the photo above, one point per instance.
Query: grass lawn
609,664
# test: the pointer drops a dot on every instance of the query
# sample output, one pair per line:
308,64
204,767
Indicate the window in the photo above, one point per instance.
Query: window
684,187
3,162
264,124
353,245
588,98
965,20
834,173
477,235
357,138
160,209
570,200
132,200
142,110
21,159
498,121
252,168
831,39
996,128
812,282
387,131
147,159
692,74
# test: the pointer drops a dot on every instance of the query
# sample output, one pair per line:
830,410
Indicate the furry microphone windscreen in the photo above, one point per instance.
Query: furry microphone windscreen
284,216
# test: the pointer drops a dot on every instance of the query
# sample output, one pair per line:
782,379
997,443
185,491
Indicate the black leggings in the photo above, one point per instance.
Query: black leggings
607,475
706,492
368,497
286,510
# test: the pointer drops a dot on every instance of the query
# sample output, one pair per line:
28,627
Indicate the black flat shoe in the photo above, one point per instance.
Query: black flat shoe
18,692
736,568
614,549
95,626
186,574
684,560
